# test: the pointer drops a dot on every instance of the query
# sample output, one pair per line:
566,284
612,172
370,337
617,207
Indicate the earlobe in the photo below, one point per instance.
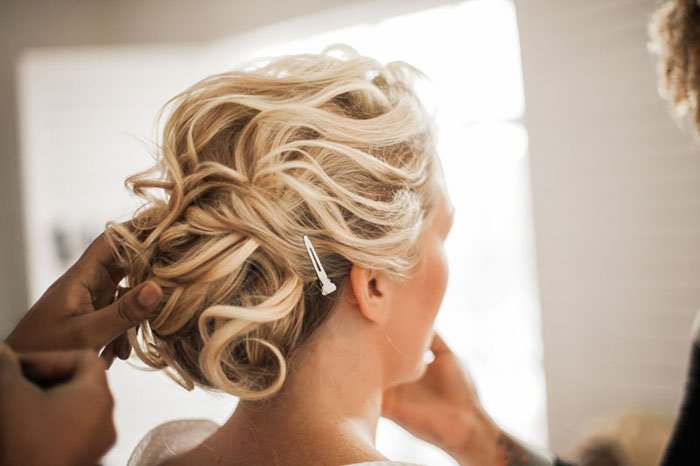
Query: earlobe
368,293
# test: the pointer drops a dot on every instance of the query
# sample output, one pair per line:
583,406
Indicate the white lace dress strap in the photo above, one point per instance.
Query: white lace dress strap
171,439
384,463
177,437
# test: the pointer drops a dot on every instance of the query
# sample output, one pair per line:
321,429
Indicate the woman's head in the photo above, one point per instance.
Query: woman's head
335,148
404,311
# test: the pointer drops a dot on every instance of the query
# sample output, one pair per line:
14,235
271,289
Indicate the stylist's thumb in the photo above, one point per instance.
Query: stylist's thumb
9,365
129,310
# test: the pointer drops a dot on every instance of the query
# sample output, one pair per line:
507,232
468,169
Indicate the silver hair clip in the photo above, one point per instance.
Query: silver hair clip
328,286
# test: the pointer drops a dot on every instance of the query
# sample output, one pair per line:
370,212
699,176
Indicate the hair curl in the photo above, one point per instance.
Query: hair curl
335,146
675,38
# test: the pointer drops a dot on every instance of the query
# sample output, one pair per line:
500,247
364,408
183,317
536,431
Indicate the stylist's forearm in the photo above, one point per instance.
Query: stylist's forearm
488,445
479,446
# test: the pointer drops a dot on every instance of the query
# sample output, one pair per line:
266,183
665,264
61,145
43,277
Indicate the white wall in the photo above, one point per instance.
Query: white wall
616,196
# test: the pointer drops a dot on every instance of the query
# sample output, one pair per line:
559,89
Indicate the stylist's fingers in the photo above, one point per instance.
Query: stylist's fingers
89,369
122,347
107,355
47,368
118,348
87,393
100,253
83,370
9,364
110,322
97,271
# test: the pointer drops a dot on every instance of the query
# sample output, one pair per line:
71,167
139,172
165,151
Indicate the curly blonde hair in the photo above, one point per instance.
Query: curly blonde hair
335,146
675,38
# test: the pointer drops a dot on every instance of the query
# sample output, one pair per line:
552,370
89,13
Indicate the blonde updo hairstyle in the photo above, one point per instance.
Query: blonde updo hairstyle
335,146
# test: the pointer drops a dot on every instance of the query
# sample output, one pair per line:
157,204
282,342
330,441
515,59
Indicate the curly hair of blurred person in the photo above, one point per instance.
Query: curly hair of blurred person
632,438
335,146
675,38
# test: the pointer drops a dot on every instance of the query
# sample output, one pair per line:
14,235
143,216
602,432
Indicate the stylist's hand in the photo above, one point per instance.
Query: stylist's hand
77,310
56,408
442,407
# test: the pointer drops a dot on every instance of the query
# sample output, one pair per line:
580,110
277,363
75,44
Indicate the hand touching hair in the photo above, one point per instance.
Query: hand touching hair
338,148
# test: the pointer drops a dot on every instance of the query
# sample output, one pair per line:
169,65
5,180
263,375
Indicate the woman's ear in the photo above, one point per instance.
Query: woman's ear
370,293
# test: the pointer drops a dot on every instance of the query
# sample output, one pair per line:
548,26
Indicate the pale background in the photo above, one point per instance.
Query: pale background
614,183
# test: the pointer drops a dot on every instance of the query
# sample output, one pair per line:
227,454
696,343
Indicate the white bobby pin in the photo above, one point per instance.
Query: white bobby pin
328,286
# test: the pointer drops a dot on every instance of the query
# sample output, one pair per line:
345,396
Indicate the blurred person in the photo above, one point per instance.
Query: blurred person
295,222
675,38
634,438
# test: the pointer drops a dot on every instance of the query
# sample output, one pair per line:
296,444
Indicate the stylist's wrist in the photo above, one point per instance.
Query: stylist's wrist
479,444
488,445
